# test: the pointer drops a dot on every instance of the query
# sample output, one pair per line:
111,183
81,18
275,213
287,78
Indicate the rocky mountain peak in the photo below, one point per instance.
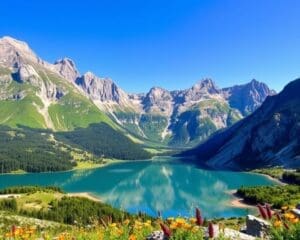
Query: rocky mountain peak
206,85
201,90
158,100
248,97
13,52
67,68
101,89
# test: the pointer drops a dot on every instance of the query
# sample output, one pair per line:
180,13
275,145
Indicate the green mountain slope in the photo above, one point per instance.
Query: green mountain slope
37,98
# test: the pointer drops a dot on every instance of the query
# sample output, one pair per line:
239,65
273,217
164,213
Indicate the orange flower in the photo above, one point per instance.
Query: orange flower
132,237
277,223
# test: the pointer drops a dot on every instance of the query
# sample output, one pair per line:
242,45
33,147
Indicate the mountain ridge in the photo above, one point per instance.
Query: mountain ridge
267,137
177,118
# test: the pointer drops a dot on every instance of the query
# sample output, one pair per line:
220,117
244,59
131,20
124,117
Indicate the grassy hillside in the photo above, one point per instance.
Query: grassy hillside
14,109
22,112
73,111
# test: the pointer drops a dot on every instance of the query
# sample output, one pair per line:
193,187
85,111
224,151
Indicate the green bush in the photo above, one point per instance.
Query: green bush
278,196
29,189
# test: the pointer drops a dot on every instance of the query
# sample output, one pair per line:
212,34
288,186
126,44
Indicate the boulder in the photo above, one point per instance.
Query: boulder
256,226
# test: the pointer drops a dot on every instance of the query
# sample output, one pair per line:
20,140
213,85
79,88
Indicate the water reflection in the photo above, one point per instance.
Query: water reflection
170,187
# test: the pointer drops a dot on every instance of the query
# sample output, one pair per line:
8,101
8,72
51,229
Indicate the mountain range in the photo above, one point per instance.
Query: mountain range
268,137
38,94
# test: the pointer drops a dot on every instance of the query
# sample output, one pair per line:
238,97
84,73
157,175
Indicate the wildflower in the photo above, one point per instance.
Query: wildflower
132,237
166,230
126,222
113,225
277,223
180,221
147,223
13,230
173,225
193,220
262,211
295,220
269,211
199,219
211,230
289,216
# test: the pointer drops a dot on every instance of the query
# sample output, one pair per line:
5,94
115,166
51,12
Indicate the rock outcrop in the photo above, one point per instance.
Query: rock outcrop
67,69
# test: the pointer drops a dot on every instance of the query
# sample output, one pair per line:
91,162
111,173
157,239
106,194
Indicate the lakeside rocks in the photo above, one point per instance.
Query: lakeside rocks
256,227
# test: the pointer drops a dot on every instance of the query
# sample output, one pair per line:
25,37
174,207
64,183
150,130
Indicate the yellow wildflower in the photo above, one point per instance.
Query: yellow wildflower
193,220
132,237
277,223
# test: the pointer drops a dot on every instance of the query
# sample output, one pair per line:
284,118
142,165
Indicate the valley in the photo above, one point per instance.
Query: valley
85,135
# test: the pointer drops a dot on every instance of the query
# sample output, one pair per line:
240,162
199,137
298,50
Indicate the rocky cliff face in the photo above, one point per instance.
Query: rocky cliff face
248,97
104,90
67,69
268,137
158,101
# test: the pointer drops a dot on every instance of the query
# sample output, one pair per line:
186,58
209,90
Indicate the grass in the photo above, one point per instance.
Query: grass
37,201
21,112
74,111
19,171
87,165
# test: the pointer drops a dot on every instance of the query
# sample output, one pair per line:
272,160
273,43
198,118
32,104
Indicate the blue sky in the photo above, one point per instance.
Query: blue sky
172,44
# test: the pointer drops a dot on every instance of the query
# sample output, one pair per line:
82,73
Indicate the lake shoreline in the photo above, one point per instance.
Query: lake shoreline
238,201
95,166
276,180
86,195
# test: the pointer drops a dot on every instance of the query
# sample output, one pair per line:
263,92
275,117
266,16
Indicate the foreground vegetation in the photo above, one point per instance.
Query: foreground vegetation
80,218
50,203
278,196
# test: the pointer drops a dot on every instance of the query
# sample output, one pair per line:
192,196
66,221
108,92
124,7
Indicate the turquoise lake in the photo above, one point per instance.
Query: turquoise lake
164,184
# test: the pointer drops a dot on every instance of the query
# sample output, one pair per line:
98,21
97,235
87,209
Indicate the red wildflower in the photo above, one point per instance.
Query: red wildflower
13,230
166,230
199,219
211,230
269,211
262,211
